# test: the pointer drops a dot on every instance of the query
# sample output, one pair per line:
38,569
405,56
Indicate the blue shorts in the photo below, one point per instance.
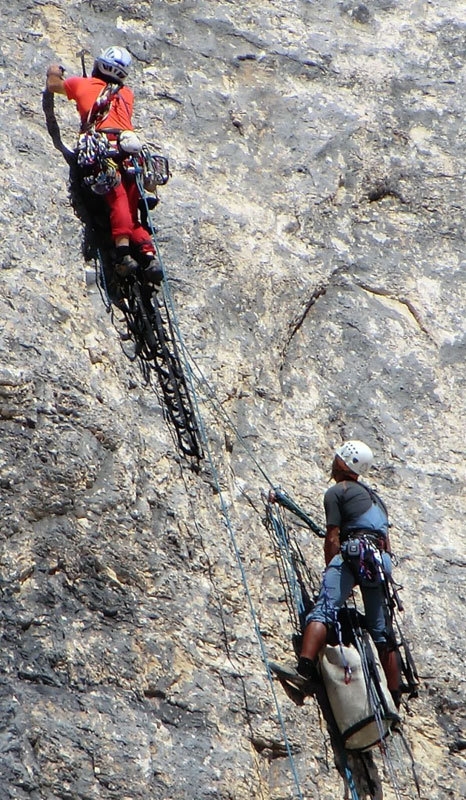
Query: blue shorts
337,585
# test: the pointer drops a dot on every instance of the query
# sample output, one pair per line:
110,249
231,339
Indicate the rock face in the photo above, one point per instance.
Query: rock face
312,233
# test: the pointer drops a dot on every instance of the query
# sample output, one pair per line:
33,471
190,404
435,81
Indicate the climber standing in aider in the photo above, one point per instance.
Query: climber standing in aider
105,106
357,551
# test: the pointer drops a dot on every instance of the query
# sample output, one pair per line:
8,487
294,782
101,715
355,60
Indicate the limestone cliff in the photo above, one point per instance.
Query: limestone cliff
313,237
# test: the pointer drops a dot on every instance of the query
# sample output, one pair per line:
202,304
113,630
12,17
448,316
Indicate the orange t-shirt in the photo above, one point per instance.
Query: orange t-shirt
84,91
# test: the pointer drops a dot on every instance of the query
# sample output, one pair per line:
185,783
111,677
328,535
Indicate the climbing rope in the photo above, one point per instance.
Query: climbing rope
293,571
230,529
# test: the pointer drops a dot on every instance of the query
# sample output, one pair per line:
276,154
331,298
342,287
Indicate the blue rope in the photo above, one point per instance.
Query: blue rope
256,626
287,563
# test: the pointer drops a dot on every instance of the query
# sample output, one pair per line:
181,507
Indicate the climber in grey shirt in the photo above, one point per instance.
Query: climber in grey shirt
352,506
353,511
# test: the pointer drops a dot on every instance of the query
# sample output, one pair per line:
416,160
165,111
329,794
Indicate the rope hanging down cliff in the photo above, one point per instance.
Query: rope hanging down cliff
294,570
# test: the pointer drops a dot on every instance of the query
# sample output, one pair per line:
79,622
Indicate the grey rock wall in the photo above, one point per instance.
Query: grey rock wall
312,233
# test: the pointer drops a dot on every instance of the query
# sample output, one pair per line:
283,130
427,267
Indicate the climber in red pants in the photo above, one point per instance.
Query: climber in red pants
105,104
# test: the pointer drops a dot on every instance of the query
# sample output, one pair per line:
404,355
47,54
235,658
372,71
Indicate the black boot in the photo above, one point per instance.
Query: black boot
153,273
304,682
125,265
308,669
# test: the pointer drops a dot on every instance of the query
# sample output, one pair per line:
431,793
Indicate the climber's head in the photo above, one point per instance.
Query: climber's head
354,457
112,65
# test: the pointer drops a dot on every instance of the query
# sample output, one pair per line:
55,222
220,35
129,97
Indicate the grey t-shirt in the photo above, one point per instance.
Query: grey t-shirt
345,502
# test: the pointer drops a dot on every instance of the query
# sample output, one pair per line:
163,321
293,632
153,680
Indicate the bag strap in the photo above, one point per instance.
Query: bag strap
101,107
374,497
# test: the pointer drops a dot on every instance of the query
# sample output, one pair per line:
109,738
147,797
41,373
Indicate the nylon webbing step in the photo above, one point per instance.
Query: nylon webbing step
149,323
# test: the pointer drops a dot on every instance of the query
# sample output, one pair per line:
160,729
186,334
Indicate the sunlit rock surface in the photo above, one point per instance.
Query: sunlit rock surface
312,233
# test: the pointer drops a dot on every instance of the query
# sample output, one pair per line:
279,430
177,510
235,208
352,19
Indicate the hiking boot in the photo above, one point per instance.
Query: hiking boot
126,266
290,674
153,273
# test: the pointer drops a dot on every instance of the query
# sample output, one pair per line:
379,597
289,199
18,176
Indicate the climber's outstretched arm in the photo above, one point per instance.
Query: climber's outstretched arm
55,79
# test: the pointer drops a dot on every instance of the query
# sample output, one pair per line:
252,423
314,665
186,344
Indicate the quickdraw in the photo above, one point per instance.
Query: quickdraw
92,148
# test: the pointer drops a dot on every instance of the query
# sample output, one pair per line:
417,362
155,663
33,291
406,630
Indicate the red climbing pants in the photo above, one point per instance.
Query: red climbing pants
123,204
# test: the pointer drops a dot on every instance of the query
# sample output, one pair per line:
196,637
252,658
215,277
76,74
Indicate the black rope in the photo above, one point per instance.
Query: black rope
48,107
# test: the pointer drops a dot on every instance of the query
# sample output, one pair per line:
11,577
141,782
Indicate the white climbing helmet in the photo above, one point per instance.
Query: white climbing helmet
114,62
356,455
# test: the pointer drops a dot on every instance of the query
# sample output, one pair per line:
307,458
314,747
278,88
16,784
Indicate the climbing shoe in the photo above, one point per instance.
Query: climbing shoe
126,266
114,293
305,683
153,273
396,697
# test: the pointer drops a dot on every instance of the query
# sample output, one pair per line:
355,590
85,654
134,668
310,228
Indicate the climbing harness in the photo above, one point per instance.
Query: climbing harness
364,559
94,153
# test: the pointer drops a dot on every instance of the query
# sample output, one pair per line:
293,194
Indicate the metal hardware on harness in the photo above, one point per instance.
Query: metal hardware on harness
92,148
154,168
351,548
92,156
105,179
364,557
